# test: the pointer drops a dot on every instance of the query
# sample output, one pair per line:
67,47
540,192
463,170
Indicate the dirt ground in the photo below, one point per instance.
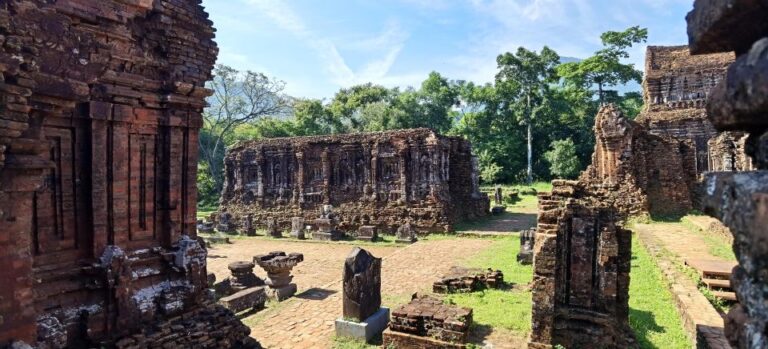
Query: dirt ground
307,320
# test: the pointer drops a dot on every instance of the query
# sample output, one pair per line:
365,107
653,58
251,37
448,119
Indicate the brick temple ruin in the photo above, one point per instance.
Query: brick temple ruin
740,200
654,164
582,253
101,106
383,179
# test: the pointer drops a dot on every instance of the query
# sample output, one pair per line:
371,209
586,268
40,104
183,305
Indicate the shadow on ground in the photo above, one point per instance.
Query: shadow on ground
507,222
644,324
316,294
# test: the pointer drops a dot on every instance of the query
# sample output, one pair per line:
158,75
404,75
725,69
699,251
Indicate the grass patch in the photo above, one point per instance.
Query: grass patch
203,212
351,343
526,202
716,246
652,313
507,308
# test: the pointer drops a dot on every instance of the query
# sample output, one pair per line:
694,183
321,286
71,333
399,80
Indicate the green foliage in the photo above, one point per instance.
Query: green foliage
604,69
564,163
489,170
511,122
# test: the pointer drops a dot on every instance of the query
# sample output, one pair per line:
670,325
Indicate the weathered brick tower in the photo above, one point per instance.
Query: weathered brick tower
100,105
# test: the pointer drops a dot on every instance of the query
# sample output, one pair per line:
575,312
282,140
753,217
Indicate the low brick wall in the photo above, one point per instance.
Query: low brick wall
701,321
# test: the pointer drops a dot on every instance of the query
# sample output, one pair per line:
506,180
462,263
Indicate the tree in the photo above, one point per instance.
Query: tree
604,69
238,98
489,170
523,83
563,161
345,110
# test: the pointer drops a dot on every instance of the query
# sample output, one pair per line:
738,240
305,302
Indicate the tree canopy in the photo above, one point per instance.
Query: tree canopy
534,120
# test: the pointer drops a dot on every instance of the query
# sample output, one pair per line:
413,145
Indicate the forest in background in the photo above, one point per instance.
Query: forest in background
533,122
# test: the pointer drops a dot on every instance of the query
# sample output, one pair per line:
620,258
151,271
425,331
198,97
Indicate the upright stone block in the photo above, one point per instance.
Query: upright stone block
363,316
362,285
405,234
297,228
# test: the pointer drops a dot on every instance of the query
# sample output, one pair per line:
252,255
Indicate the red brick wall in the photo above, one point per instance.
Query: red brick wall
100,103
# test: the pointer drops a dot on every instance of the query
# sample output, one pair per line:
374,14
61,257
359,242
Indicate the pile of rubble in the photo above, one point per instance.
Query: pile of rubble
462,280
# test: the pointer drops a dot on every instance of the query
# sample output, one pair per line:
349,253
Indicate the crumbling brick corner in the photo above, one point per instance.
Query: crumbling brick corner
640,172
581,271
100,106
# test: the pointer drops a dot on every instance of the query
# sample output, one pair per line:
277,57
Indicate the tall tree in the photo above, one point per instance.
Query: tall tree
604,69
523,83
238,98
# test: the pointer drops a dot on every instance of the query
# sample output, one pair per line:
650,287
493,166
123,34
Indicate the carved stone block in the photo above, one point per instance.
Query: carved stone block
362,285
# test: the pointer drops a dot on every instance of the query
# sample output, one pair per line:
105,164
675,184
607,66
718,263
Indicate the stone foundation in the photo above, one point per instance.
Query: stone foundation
378,179
428,317
460,280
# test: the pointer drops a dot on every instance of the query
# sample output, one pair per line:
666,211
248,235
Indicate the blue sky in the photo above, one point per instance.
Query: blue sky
319,46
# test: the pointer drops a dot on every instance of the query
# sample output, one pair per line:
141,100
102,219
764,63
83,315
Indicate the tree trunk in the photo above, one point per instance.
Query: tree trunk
530,147
600,92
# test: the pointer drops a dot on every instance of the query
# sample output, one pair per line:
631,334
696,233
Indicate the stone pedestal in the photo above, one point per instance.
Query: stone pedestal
204,227
326,231
368,233
225,224
243,276
250,230
297,228
364,330
272,229
405,234
527,240
278,266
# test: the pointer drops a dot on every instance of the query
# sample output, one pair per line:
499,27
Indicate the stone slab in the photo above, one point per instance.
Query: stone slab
249,298
372,326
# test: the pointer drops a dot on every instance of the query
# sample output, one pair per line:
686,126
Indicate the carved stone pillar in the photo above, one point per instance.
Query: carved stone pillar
374,175
326,164
298,196
402,154
260,171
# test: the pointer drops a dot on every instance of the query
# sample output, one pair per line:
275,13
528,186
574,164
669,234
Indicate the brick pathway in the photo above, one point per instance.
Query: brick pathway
307,321
701,320
679,240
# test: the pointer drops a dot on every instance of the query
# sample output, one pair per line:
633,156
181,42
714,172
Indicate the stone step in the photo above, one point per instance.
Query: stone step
712,269
717,283
728,296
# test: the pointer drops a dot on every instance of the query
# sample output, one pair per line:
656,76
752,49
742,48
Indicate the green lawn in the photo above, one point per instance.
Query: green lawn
653,314
507,308
527,201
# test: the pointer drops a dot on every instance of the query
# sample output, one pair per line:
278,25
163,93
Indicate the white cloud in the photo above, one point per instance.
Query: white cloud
386,45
